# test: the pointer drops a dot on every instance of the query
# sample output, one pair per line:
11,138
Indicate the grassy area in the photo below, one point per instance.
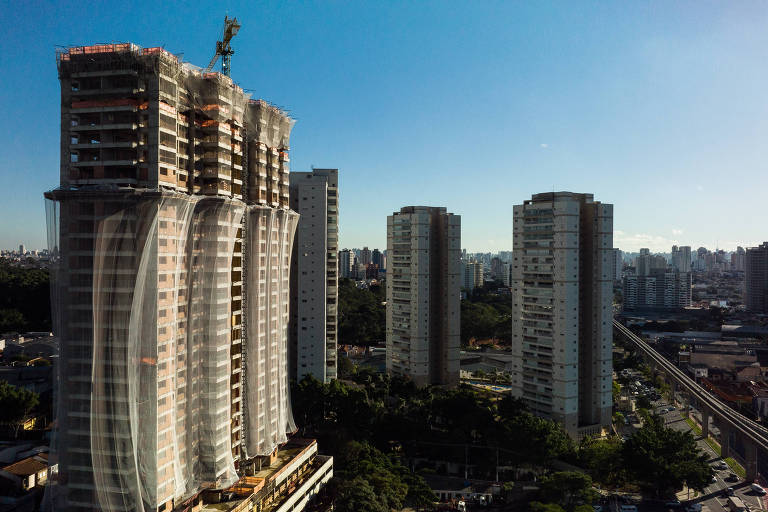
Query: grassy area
713,444
736,467
696,429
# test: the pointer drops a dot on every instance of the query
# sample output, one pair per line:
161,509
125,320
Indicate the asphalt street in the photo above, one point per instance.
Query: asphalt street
714,499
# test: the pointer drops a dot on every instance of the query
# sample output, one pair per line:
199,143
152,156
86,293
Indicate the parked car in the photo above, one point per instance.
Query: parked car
758,489
729,492
721,465
732,478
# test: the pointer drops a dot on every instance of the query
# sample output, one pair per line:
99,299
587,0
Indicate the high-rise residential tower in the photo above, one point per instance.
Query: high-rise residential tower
423,294
314,274
171,234
681,258
756,279
346,263
562,309
472,275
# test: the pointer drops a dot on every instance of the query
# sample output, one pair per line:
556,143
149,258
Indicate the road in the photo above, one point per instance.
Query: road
713,499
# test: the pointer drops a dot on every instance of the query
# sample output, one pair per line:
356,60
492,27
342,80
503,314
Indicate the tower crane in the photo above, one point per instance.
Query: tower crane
231,26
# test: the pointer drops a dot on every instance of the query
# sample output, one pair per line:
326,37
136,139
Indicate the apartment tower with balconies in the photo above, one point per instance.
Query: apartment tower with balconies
423,294
562,285
314,274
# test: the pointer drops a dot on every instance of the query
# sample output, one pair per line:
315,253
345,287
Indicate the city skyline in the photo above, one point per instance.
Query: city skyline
646,103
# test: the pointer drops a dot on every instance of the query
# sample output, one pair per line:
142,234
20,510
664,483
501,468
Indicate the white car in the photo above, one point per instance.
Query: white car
758,489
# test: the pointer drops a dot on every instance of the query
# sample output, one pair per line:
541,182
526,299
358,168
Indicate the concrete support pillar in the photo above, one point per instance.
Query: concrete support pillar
704,423
725,440
750,461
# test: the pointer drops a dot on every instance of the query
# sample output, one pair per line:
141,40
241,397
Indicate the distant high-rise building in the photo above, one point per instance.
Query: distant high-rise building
423,294
314,274
562,309
346,263
171,281
646,261
618,264
365,256
681,258
739,260
756,279
506,275
376,257
22,250
472,275
662,289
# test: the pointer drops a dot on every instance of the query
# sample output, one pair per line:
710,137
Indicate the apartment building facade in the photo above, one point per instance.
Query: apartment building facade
315,274
667,289
562,290
172,236
423,295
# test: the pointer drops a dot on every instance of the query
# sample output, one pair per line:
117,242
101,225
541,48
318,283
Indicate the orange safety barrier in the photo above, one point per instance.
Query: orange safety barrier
166,107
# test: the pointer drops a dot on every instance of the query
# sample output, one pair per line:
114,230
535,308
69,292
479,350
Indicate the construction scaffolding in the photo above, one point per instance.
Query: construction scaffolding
172,213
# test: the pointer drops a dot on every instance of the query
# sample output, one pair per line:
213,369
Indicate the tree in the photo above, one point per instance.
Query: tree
537,506
567,488
602,459
362,314
346,367
661,460
616,389
618,417
25,302
15,405
357,495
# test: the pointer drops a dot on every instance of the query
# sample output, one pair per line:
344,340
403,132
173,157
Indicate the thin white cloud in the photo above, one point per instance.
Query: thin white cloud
634,242
677,231
544,145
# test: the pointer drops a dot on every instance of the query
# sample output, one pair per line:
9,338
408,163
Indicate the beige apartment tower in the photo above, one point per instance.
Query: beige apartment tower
562,285
423,294
172,237
314,274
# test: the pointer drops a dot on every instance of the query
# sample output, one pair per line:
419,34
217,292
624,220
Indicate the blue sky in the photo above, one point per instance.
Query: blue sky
657,107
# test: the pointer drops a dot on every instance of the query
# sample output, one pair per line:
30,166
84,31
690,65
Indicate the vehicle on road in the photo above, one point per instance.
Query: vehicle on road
672,504
729,492
732,477
693,507
714,479
735,504
721,465
628,508
758,489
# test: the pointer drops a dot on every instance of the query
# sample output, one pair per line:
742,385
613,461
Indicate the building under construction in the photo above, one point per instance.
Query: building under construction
172,234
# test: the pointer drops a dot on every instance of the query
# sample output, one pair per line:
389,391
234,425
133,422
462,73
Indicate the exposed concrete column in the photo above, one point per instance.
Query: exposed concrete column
750,461
705,422
725,437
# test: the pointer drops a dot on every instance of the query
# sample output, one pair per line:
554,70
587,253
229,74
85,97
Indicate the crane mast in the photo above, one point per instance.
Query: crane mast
223,48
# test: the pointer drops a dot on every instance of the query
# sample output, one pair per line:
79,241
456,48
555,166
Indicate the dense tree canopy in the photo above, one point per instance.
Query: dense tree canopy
362,314
661,460
25,303
486,314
